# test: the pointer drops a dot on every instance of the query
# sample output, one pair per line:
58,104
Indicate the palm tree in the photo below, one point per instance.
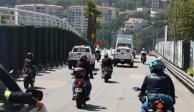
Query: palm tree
92,13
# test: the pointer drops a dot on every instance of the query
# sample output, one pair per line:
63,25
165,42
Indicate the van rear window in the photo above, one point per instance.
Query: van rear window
81,50
123,50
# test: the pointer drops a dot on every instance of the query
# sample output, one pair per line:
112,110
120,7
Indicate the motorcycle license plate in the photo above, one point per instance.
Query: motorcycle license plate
78,90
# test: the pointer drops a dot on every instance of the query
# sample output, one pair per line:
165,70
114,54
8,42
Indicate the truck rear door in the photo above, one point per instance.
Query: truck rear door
122,54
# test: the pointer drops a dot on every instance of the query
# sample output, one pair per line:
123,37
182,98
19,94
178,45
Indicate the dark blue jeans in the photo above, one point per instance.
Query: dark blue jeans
153,97
87,88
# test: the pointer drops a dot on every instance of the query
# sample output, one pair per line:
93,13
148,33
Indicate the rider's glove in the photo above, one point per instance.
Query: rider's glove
142,97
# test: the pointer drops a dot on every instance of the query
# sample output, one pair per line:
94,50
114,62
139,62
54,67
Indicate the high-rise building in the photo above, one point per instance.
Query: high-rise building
77,19
155,5
107,13
158,6
43,8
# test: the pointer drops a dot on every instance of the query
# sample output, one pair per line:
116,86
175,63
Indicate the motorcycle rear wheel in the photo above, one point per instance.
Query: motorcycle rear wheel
105,79
79,103
26,84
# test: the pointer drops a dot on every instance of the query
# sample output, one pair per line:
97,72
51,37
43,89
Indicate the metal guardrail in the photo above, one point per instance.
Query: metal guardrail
14,16
181,75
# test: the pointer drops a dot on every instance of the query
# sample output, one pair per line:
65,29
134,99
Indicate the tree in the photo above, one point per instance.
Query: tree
92,13
180,19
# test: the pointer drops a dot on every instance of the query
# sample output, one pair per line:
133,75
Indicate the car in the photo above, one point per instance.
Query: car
11,85
151,53
77,52
123,55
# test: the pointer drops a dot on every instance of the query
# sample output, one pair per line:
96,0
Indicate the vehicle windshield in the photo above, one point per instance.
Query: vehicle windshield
81,50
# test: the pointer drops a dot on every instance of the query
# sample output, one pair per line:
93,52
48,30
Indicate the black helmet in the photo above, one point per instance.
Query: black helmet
29,55
106,55
83,58
79,72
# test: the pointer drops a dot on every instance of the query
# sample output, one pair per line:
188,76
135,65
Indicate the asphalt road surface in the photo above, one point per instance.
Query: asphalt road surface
116,96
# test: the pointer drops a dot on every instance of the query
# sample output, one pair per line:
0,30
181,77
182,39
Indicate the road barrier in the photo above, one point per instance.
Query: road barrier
183,77
50,45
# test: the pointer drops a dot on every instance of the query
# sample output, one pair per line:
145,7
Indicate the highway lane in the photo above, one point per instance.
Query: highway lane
116,96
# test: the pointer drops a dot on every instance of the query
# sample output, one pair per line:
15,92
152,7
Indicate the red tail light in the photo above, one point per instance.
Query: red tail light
79,83
160,105
27,70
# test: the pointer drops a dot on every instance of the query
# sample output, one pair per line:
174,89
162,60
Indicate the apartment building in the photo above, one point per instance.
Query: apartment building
77,19
107,13
157,6
54,10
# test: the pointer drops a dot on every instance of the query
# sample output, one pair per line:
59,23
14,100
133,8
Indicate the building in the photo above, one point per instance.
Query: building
107,13
135,24
157,6
43,8
77,19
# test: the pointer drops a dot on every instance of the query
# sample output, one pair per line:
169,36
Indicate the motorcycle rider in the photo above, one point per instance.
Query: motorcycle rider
85,64
29,62
107,61
143,53
15,96
157,84
97,52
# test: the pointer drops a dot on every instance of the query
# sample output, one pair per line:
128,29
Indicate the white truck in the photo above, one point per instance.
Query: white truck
123,55
77,52
124,40
123,52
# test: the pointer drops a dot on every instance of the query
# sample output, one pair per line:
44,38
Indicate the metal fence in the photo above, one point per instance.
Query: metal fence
49,45
14,16
181,53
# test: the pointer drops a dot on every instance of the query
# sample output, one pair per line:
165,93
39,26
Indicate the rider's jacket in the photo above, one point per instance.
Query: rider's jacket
28,63
158,83
87,67
107,62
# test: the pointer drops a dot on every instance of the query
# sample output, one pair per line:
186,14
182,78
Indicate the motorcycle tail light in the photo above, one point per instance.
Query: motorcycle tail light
27,70
79,83
160,105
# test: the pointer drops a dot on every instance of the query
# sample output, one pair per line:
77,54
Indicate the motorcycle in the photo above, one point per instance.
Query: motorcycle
28,77
80,95
143,58
98,55
155,104
106,73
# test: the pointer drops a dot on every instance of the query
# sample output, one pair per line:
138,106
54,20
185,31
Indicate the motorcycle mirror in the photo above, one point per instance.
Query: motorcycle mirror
35,93
136,89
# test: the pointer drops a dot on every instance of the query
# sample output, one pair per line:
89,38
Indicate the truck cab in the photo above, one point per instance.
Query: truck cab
123,55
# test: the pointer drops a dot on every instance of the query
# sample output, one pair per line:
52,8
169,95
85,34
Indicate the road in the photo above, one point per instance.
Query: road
116,96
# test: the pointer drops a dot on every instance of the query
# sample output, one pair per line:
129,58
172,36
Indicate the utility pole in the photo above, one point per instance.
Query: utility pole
174,26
